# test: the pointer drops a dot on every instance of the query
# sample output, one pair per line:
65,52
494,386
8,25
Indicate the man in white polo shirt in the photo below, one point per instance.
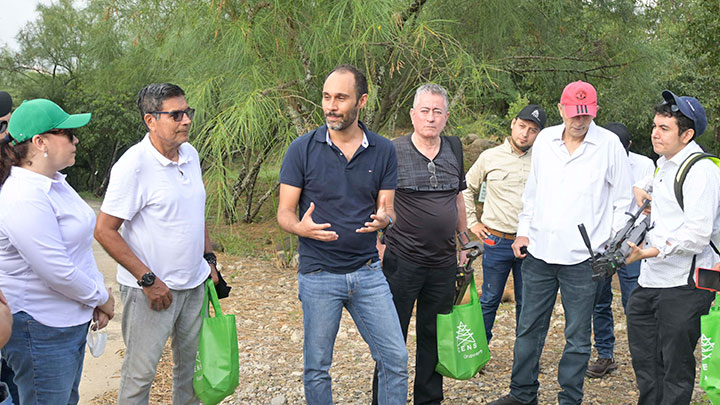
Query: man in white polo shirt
579,174
156,193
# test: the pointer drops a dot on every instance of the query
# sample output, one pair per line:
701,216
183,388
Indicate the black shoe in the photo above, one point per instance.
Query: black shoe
601,367
510,400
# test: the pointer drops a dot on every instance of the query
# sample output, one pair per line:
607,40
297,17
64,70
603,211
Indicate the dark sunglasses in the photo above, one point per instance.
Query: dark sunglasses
433,175
68,132
3,126
177,115
673,106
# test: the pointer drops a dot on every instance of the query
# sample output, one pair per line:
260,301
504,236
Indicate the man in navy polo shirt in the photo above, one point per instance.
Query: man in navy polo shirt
343,179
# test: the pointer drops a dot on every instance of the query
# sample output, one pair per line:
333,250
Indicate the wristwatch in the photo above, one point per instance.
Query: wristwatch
147,279
210,258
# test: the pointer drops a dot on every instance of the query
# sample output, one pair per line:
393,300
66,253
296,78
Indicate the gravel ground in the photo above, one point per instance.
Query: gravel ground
269,320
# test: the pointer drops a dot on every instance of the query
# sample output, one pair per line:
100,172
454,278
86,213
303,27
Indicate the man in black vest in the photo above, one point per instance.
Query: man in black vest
420,260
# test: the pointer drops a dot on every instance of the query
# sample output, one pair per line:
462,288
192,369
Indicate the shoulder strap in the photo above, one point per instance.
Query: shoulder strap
456,147
682,174
685,168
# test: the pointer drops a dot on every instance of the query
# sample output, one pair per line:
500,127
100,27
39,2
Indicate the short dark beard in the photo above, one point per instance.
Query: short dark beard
346,121
525,149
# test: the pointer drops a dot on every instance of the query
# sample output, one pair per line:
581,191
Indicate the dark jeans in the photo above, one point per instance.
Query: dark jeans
541,281
433,288
6,376
663,330
603,322
497,262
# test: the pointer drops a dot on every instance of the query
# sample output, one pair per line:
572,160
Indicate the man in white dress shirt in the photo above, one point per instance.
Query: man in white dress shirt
603,322
664,311
579,175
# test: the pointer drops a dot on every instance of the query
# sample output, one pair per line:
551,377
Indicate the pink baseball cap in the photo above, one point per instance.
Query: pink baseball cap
579,98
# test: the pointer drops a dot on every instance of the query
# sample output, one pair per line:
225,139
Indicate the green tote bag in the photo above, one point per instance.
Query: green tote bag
710,364
216,364
462,344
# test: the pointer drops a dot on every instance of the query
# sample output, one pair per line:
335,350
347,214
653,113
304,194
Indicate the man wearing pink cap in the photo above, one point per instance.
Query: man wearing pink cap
579,175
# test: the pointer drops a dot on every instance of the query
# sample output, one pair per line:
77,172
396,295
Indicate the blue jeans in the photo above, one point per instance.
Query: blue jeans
603,323
541,281
366,295
47,361
497,262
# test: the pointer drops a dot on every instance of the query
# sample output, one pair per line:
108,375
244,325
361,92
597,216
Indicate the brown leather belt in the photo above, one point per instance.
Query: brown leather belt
508,236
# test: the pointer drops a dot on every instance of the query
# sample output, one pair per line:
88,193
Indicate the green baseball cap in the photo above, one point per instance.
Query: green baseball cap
38,116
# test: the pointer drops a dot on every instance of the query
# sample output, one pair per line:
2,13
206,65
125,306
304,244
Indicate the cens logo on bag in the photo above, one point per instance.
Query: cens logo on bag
465,341
706,348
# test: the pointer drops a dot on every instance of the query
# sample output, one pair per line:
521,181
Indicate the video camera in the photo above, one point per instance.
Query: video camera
605,264
464,274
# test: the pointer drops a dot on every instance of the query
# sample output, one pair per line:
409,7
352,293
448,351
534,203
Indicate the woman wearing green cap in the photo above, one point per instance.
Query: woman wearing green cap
47,270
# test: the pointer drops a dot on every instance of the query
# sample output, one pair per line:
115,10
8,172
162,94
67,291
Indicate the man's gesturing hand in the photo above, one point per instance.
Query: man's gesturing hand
159,295
380,219
309,229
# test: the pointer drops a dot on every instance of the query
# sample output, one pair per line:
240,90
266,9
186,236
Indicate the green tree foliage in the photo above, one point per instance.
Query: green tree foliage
689,31
254,69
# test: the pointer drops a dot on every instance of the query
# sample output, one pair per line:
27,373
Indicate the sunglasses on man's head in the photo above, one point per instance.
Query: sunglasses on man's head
673,106
177,115
68,132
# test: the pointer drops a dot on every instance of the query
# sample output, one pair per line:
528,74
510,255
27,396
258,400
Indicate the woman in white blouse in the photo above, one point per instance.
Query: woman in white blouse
47,270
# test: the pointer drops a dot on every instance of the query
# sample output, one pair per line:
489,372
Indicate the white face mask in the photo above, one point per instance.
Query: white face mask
96,341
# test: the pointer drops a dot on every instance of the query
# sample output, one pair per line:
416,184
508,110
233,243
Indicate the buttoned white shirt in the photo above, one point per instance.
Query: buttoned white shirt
589,187
681,234
641,167
163,205
47,268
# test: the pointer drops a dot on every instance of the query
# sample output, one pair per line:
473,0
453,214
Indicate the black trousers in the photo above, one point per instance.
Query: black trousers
433,288
663,330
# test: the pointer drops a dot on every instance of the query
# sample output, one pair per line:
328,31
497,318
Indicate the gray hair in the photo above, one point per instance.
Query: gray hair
152,97
432,88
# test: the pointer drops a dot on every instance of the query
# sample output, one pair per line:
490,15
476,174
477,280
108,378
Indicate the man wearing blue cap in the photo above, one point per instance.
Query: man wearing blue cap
663,312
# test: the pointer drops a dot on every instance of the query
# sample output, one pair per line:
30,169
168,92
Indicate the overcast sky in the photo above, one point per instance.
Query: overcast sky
14,14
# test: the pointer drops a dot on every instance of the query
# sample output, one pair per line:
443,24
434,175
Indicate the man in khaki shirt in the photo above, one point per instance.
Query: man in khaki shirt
505,169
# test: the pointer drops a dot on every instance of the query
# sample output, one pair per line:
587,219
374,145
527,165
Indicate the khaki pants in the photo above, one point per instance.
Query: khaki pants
145,332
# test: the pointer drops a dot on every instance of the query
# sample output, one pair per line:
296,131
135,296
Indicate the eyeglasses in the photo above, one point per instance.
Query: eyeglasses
68,132
433,176
3,126
177,115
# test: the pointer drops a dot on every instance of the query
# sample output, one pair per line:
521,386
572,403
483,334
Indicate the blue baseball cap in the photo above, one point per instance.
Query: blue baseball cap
689,107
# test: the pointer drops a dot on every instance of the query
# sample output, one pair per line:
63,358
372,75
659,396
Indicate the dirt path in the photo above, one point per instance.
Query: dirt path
269,320
102,374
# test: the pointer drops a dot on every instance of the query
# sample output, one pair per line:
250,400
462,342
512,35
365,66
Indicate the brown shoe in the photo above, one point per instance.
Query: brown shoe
601,367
